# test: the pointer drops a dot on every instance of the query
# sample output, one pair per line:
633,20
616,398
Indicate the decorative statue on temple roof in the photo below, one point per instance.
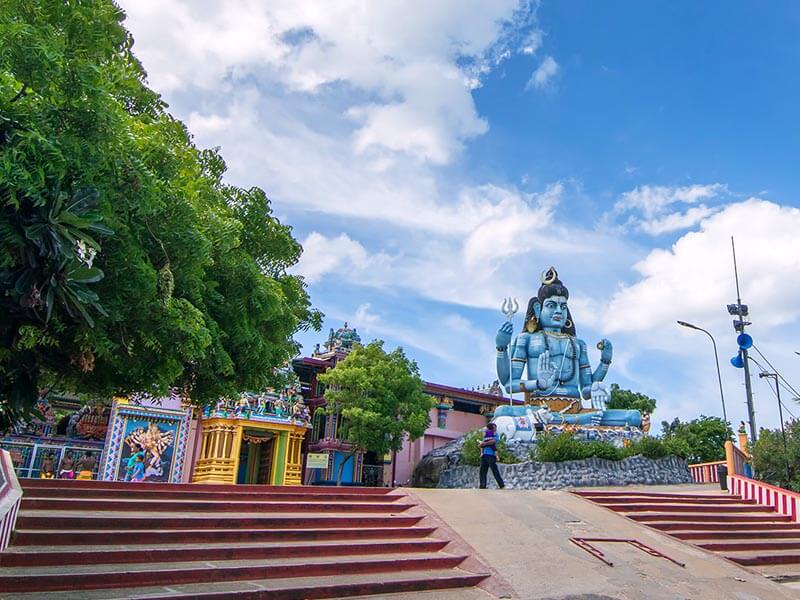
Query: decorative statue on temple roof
559,375
342,339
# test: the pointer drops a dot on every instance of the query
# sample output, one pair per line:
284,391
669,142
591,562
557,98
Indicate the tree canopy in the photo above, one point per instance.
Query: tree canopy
127,263
380,398
626,399
700,440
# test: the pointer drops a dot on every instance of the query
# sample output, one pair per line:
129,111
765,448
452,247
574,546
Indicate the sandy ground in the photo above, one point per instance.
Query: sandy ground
524,537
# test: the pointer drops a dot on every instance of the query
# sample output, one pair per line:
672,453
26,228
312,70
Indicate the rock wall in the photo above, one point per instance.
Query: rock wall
534,475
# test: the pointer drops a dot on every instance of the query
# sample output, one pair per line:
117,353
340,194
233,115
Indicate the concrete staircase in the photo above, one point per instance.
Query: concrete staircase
89,539
737,529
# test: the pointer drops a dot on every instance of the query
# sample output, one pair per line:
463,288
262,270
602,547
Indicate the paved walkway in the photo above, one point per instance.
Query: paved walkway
524,536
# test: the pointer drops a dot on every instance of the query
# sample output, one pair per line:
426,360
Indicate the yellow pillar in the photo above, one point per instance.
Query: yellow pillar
219,458
294,468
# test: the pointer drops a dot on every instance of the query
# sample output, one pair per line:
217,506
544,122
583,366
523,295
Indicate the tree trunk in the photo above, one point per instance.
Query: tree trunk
341,468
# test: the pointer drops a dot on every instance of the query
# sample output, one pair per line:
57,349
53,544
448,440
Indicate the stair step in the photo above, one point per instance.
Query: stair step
79,537
222,505
638,499
299,588
197,492
35,556
752,545
732,534
702,519
666,495
760,528
691,508
149,575
28,484
27,520
765,558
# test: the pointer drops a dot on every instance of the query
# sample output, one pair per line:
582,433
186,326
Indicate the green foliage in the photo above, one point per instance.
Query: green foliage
650,447
628,400
471,451
770,459
379,396
126,263
700,440
562,447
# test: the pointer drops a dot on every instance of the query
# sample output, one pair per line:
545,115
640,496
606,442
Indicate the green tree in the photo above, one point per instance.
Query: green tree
126,262
379,396
626,399
700,440
771,459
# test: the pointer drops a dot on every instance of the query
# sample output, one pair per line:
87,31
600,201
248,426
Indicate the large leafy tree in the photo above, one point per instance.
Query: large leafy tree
699,440
126,261
775,462
627,399
379,396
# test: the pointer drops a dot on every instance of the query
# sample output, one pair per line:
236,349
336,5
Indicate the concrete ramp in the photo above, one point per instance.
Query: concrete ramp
524,536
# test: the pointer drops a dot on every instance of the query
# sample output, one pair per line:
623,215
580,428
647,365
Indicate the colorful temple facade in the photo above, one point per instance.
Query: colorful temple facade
277,437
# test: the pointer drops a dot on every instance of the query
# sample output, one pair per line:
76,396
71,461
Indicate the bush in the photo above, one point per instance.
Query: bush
471,452
564,447
560,448
649,447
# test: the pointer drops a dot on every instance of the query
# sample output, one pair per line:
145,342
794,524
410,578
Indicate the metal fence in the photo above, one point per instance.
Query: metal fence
27,456
372,475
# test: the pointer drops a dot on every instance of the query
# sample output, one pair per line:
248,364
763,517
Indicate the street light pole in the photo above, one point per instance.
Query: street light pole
780,413
716,359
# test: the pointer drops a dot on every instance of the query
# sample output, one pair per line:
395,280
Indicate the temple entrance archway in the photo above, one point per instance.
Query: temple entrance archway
256,457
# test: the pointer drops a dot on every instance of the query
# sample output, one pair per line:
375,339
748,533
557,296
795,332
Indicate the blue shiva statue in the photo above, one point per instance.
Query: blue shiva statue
559,374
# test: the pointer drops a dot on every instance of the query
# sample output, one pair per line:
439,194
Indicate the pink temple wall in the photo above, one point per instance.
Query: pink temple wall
458,423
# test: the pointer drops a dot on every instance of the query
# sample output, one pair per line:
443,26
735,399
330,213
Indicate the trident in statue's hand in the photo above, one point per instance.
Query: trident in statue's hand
509,307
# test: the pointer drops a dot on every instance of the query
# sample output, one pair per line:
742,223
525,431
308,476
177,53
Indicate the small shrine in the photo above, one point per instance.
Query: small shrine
254,439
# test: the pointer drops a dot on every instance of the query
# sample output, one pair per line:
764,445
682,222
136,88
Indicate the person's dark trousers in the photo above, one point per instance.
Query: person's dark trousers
490,462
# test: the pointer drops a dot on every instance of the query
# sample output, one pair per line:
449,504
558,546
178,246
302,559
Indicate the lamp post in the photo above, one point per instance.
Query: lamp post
716,359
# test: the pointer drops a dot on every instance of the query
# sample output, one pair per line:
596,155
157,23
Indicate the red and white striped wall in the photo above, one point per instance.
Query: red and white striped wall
783,501
705,472
10,498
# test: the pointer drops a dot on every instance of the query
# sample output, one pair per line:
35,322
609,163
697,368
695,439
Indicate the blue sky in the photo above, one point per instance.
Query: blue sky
435,157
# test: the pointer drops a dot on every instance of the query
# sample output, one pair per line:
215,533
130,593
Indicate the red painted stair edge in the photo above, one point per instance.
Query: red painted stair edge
343,590
159,555
180,576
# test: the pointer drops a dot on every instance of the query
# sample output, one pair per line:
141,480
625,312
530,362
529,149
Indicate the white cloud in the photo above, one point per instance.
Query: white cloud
409,68
322,255
693,280
543,74
648,206
677,220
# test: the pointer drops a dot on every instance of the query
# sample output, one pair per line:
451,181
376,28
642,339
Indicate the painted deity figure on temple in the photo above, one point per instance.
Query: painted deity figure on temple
556,359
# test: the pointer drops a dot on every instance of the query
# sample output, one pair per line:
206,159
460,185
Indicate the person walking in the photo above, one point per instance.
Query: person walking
489,456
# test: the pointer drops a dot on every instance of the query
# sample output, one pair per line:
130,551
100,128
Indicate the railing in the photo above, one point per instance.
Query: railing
783,501
705,472
738,462
372,475
10,498
28,455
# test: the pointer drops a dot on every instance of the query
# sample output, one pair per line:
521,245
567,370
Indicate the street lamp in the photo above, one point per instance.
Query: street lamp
716,358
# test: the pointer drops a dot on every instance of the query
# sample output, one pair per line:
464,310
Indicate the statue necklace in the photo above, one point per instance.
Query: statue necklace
564,357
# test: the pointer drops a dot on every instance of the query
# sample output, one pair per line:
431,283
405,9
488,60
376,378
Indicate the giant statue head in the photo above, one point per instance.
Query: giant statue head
548,308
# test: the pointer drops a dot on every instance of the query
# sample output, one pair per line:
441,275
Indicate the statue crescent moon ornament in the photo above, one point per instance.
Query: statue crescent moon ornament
549,276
